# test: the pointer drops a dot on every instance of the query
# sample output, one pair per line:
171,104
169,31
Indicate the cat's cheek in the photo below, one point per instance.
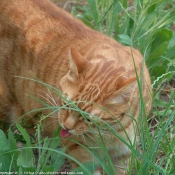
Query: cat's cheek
69,88
62,115
81,128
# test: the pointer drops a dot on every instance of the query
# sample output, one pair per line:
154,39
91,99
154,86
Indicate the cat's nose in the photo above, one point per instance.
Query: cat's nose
68,125
66,128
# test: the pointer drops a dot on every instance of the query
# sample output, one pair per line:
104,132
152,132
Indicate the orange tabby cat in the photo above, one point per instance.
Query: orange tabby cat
39,40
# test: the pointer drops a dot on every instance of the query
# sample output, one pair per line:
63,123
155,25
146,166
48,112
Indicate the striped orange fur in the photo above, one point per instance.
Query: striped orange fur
40,41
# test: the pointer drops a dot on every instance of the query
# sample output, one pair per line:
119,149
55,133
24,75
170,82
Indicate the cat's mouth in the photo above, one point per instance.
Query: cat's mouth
64,133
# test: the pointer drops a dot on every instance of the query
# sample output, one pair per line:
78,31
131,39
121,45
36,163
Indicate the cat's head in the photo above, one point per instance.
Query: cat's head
99,88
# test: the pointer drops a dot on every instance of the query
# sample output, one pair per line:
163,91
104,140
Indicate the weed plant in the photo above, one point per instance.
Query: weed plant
148,26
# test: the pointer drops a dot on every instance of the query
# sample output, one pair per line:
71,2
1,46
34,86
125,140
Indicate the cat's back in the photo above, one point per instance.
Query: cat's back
34,32
27,13
17,10
41,27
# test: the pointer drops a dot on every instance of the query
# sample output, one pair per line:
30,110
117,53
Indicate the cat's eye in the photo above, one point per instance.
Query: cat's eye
122,114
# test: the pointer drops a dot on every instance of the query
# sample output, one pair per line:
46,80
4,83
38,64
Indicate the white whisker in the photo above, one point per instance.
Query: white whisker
50,96
47,100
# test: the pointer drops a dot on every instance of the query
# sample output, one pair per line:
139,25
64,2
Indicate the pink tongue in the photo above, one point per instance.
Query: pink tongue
64,133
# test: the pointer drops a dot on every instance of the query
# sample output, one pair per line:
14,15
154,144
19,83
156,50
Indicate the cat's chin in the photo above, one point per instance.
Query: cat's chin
65,133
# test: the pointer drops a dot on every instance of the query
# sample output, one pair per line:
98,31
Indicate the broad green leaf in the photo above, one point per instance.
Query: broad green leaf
13,146
11,140
5,156
125,39
158,71
48,169
26,158
29,170
57,132
161,36
170,52
151,8
155,57
24,134
4,146
57,160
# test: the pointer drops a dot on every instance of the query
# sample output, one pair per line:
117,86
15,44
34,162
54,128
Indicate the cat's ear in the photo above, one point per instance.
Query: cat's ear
123,95
76,64
76,61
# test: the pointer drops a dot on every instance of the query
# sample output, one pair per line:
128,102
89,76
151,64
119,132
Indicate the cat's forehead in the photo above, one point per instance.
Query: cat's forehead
89,92
103,69
102,77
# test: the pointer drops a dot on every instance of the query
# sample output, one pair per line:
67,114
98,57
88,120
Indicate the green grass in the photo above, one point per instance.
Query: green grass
146,25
